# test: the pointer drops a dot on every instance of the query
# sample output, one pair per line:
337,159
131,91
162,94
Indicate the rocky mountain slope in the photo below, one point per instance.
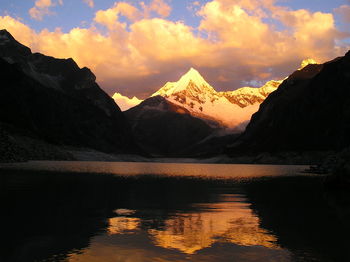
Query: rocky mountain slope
189,117
228,109
163,128
309,111
201,100
247,96
55,101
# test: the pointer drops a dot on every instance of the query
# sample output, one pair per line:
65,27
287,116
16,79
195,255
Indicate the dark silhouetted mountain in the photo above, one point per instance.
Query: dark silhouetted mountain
164,128
56,101
309,111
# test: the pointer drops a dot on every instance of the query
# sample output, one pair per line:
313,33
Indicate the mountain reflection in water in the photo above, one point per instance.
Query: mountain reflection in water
51,216
231,220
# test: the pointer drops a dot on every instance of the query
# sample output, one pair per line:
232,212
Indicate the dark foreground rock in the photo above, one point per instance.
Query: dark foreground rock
165,129
56,102
310,111
339,166
17,148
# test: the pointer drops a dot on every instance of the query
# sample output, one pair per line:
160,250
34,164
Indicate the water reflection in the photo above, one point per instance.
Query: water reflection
122,225
83,217
169,169
231,220
214,231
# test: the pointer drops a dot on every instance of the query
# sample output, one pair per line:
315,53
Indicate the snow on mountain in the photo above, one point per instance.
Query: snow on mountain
192,83
247,96
305,62
125,102
230,109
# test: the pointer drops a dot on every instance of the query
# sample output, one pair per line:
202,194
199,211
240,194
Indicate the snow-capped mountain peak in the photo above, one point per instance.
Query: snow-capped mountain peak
200,99
230,109
191,76
246,96
191,80
125,102
307,62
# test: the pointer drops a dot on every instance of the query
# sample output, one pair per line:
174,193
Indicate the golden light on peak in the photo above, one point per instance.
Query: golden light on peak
305,62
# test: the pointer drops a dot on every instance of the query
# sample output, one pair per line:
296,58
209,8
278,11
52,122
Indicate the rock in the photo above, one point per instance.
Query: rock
310,111
54,101
166,129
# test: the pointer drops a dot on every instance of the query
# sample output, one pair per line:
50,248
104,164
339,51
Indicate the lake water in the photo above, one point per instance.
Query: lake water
74,211
215,171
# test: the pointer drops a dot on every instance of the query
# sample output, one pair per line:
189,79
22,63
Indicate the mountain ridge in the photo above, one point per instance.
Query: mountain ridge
228,109
309,111
195,94
163,128
55,101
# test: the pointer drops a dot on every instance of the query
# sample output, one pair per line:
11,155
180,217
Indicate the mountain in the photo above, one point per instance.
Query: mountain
163,128
125,102
247,96
310,110
229,109
55,102
189,117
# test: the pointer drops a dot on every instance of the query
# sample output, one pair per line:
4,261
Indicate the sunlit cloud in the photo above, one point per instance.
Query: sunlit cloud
110,17
90,3
160,7
193,6
344,12
41,9
134,49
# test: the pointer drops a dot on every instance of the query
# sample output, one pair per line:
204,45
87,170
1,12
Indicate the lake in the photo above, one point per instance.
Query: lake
116,211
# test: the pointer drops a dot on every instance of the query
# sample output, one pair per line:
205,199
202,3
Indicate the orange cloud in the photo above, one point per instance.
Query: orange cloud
344,12
160,7
231,25
90,3
41,9
193,6
171,40
233,43
109,17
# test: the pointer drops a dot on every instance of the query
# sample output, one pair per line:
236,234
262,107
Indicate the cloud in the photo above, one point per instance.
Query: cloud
90,3
134,49
193,6
160,7
344,12
41,9
109,17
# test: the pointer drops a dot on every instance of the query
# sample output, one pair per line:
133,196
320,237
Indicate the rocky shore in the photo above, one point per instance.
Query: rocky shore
339,167
17,148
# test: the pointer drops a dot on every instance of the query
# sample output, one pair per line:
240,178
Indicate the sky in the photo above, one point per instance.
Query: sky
135,47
